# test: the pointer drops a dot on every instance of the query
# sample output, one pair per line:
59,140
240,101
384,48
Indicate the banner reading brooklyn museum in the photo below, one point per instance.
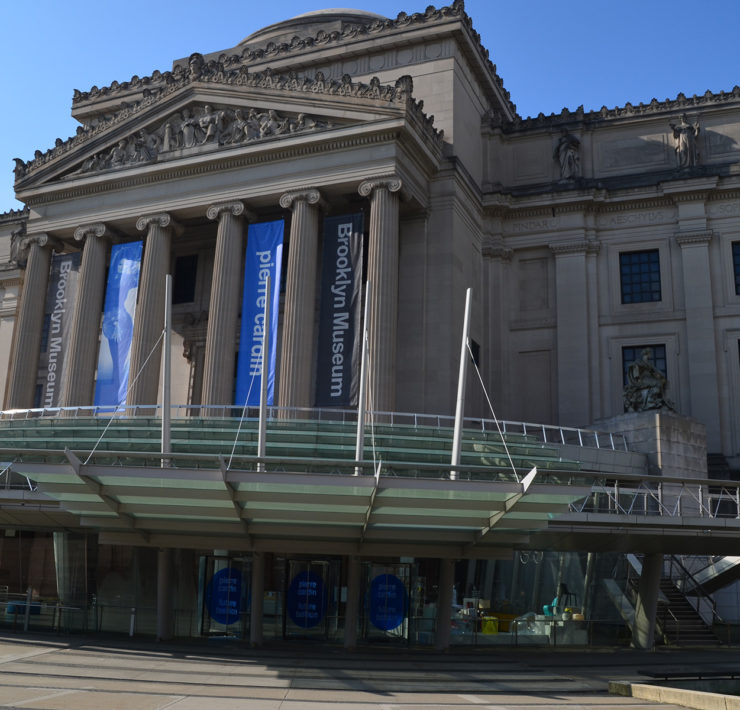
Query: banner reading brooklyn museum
118,324
338,377
60,299
264,258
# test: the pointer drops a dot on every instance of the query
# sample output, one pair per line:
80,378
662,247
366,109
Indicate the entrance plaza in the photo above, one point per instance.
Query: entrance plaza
67,673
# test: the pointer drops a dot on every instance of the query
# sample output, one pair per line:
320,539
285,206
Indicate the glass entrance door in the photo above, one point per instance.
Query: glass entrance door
225,596
386,607
311,599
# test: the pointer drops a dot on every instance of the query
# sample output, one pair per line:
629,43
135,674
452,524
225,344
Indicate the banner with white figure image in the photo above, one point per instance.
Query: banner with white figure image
118,324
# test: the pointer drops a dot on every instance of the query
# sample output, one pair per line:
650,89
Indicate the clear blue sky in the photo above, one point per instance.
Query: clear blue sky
550,54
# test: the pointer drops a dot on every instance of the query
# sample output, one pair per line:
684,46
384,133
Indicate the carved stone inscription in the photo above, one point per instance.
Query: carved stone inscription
633,219
201,126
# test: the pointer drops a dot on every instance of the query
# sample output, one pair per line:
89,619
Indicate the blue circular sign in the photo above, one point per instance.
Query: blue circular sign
306,600
223,595
388,598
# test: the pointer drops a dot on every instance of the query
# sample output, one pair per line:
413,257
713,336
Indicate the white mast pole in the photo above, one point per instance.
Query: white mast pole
460,408
262,430
166,369
363,382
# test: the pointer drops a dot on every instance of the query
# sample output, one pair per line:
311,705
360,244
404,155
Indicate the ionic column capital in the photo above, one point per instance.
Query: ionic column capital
236,208
310,195
161,219
97,229
392,183
43,241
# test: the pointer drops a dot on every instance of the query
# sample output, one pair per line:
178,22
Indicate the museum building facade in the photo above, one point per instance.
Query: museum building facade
587,237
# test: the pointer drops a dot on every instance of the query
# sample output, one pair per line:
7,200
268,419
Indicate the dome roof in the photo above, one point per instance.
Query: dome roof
308,24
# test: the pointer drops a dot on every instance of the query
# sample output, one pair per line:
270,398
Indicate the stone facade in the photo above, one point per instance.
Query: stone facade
407,120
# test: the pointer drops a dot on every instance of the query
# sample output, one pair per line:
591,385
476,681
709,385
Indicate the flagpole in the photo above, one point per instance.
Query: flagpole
460,408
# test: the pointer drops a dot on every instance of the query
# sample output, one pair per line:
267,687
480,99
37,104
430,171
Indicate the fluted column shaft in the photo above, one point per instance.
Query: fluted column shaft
296,360
382,273
78,385
149,319
30,322
218,371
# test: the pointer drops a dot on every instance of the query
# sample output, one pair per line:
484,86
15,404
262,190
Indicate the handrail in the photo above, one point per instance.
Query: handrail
703,594
544,433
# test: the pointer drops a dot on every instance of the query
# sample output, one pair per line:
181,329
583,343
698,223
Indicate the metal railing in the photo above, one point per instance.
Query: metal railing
661,496
541,433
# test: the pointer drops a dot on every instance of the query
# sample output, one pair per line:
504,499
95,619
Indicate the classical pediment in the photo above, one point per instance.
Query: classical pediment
246,109
201,128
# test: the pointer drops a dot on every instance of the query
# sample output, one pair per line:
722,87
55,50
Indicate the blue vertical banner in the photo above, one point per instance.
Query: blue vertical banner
118,324
264,258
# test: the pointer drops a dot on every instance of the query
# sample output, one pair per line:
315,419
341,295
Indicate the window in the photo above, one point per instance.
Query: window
634,352
736,265
639,273
183,285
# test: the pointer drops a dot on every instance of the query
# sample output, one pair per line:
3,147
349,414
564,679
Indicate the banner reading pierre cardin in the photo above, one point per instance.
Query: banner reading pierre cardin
338,361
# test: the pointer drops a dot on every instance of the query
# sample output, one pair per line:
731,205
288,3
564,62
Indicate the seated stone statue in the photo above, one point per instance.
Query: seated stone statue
646,386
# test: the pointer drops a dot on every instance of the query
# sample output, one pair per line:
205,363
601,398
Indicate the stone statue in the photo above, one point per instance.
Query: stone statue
646,385
685,135
567,154
187,126
210,124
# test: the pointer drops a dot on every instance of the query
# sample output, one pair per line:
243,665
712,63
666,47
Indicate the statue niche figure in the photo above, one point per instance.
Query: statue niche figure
646,385
566,154
685,135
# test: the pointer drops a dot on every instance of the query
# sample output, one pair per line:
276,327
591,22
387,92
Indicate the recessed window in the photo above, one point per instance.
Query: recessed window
639,273
736,265
183,285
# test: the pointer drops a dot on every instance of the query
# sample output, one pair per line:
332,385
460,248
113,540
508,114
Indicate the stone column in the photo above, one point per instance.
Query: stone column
223,312
78,385
444,604
643,635
382,272
149,320
497,264
573,343
25,364
296,354
352,608
700,338
258,598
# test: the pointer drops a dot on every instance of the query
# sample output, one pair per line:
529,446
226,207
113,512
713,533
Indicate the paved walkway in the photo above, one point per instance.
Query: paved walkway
90,673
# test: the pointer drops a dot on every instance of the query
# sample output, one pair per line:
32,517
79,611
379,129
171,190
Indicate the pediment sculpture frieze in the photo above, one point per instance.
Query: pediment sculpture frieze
215,72
201,128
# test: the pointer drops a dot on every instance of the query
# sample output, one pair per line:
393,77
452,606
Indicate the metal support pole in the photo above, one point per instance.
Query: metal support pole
166,370
262,431
359,448
460,408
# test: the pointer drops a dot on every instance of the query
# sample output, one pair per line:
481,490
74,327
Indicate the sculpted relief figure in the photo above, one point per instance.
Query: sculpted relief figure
646,385
567,155
193,128
685,135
